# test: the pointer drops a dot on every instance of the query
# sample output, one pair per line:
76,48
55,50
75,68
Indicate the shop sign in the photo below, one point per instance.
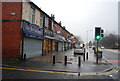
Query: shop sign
32,30
48,33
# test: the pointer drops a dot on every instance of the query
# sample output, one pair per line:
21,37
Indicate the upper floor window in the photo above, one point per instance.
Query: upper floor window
32,15
46,21
41,20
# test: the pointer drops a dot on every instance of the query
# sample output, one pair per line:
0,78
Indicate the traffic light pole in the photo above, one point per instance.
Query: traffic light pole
98,36
97,53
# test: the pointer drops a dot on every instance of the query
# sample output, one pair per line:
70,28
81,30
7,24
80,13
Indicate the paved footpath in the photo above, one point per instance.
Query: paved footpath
72,58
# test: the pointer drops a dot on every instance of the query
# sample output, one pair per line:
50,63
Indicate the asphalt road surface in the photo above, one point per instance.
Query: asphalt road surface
113,57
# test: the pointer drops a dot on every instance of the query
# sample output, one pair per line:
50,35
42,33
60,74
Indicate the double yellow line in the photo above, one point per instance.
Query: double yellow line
32,70
74,73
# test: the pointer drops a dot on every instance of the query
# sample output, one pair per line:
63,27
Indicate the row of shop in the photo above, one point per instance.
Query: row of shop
38,41
30,31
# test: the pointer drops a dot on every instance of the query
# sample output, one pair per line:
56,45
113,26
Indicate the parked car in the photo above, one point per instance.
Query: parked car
79,50
102,47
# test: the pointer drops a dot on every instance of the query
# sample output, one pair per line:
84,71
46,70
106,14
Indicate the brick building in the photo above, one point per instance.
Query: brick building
26,29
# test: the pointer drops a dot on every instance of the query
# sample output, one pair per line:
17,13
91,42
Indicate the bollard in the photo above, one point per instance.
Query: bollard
97,60
65,60
24,58
87,56
21,57
84,57
79,61
53,59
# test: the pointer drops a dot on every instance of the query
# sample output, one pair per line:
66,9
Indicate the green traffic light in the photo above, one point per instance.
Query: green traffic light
98,37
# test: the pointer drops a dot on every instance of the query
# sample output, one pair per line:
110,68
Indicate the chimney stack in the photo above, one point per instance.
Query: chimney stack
64,27
60,23
52,16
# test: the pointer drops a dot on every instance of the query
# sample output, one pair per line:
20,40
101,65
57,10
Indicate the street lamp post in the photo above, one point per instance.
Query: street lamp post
88,31
87,39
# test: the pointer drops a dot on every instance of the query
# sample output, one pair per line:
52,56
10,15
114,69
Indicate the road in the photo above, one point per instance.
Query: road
113,57
16,74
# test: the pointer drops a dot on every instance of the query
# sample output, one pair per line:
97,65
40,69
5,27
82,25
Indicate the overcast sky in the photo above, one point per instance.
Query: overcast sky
80,17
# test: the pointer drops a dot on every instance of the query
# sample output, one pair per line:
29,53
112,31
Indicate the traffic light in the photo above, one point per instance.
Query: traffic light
97,33
102,31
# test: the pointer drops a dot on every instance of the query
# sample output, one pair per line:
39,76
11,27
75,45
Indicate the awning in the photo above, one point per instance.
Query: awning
49,37
68,40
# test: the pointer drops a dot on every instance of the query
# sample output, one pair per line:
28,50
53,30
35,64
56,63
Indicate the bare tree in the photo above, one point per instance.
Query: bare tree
110,41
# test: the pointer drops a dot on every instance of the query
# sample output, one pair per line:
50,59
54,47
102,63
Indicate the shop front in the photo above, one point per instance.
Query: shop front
48,41
47,46
32,40
58,42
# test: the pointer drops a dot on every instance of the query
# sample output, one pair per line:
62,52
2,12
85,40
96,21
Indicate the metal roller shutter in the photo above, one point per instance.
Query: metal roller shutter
60,46
32,47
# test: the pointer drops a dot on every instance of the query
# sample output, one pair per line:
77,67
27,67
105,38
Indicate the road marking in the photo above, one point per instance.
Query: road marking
74,73
48,71
36,70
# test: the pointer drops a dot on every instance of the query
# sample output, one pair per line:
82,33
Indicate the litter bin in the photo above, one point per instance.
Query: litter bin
99,54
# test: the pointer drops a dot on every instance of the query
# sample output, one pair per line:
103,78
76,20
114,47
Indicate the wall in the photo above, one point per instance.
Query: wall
26,13
37,17
11,7
58,28
11,30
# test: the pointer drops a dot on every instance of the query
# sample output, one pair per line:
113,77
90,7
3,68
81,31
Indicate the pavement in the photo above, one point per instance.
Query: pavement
44,64
71,57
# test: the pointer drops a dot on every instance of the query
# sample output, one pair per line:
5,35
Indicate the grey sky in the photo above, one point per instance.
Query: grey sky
81,16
